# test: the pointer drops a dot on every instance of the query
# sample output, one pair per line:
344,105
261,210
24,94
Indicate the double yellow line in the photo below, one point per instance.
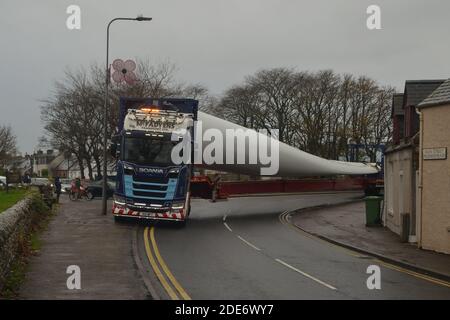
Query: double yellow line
168,281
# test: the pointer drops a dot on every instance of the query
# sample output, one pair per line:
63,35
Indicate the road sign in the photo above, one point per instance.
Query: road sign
435,154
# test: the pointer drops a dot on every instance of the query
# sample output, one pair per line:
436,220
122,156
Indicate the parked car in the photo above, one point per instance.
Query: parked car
96,188
2,181
40,182
66,185
11,185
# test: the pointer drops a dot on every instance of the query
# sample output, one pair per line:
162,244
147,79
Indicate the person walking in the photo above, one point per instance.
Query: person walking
215,192
57,188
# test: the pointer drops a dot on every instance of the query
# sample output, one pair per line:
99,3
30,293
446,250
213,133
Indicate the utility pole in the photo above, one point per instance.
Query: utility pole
105,115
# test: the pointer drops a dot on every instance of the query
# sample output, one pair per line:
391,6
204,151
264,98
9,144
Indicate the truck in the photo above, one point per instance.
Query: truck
149,184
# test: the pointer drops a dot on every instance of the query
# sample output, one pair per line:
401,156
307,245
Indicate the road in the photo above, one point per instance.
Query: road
245,248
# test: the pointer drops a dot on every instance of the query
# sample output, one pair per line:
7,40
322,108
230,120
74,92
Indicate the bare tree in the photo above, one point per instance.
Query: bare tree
239,105
276,90
8,144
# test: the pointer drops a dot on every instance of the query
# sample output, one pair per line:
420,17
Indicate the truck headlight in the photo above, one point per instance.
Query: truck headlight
127,169
119,200
177,205
174,172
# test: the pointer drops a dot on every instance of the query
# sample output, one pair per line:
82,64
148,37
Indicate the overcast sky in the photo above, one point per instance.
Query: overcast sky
215,43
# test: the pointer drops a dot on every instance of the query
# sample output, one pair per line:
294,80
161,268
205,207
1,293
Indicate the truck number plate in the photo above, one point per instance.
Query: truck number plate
147,214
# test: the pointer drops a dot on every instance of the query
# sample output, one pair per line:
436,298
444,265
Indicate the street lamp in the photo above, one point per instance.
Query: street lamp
105,116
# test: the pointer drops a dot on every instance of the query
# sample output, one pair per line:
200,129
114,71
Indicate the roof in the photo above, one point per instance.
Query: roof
439,96
58,161
418,90
397,104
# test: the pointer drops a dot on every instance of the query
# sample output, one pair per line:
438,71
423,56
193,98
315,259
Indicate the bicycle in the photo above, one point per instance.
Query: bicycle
84,193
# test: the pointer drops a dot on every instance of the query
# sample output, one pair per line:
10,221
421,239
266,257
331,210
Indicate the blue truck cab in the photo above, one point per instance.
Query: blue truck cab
149,184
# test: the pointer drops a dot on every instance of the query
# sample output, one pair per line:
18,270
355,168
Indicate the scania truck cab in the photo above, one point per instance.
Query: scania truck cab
149,184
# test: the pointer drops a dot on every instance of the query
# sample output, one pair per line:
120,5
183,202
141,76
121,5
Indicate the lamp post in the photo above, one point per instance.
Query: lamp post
105,115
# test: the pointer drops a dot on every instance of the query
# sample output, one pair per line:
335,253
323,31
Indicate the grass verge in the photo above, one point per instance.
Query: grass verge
8,199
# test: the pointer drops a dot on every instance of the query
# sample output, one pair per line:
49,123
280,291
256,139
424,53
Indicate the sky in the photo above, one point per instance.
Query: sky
215,43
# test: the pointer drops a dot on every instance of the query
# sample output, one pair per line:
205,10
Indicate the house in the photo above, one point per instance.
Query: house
75,172
402,160
65,166
40,161
60,165
434,178
415,92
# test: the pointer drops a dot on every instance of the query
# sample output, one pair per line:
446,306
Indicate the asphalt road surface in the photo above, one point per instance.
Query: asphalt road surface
245,248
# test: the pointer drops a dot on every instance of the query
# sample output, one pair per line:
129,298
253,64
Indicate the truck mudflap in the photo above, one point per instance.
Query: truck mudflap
122,211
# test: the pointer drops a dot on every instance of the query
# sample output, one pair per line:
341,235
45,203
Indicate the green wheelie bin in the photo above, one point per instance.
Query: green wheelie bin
373,211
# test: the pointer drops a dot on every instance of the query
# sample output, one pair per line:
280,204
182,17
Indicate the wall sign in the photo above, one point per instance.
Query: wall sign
435,154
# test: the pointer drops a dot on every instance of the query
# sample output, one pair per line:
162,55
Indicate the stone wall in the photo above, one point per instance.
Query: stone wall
15,226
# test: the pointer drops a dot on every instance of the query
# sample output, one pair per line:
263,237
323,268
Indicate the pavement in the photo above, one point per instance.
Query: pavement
345,225
80,235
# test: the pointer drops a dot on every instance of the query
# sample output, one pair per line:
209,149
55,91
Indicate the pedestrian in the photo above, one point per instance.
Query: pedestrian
215,192
26,178
57,188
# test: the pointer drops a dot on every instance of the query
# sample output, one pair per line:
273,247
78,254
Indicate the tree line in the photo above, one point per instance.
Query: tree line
317,112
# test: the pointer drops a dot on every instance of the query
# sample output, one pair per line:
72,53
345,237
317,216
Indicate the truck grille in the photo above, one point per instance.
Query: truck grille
160,180
150,194
145,186
151,188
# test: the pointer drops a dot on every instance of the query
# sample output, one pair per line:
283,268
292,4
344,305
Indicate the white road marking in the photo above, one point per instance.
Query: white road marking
249,244
305,274
227,226
224,218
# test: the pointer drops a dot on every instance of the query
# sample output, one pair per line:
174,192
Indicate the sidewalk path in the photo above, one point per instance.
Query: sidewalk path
345,224
80,235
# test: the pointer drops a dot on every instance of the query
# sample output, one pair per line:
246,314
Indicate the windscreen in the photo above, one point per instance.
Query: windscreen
148,151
